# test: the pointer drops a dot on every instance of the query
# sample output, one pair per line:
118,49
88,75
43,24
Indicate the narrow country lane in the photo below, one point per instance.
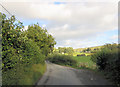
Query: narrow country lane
61,75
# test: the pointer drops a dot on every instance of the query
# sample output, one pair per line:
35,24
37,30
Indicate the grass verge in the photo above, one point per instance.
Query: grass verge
85,62
24,75
79,62
62,59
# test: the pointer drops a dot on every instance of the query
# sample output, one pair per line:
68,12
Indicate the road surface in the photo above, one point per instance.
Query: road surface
61,75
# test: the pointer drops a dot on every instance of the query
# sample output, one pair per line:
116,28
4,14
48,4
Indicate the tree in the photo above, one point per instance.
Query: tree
88,49
22,49
11,42
111,46
61,49
84,50
68,50
44,40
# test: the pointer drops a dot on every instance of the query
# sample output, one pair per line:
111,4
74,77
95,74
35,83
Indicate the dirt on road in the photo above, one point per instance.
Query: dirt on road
61,75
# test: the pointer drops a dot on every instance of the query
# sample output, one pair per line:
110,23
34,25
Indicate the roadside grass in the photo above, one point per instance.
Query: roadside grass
78,62
24,75
82,62
34,74
61,59
85,62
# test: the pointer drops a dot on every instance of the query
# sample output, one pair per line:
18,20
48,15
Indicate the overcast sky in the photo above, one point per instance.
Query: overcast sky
73,23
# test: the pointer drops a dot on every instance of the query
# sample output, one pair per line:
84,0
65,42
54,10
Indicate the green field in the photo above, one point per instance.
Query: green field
77,53
84,62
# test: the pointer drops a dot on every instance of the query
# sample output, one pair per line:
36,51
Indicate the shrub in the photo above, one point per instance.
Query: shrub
101,58
108,60
62,59
23,49
81,55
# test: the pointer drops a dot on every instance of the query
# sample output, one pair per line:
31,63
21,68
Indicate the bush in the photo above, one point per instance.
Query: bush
23,49
62,59
101,58
108,60
81,55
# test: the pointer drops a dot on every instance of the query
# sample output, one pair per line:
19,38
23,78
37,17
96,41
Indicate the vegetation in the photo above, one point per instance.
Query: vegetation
82,53
62,59
0,50
23,52
23,75
64,50
79,62
108,61
84,62
83,59
41,37
105,59
89,49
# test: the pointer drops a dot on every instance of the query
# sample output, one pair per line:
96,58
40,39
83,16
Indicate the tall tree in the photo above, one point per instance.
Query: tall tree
44,40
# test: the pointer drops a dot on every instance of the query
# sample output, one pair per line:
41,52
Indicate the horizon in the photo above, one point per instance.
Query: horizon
92,46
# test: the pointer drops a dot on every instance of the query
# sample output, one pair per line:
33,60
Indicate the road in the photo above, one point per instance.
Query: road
61,75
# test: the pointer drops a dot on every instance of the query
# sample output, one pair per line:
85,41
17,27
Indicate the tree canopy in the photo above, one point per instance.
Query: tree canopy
20,46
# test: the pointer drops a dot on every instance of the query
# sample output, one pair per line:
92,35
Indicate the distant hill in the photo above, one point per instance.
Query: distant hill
92,48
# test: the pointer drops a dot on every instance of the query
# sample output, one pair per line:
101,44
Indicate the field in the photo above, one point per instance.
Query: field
81,49
77,53
84,62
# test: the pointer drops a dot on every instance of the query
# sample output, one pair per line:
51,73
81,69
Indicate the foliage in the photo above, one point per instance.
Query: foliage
88,49
95,50
101,58
23,75
39,35
62,59
23,49
77,53
11,43
79,62
68,50
108,60
61,49
84,62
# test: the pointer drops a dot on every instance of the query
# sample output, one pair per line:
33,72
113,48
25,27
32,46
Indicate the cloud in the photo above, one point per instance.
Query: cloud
69,21
78,43
44,25
61,1
114,37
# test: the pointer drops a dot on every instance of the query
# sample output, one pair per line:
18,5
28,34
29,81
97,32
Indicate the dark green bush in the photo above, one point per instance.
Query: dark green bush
101,58
113,66
108,60
62,59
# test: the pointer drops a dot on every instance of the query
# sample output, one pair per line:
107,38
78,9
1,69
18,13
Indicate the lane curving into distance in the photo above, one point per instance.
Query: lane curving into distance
61,75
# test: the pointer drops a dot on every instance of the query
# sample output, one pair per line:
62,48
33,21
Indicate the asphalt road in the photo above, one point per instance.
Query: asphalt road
61,75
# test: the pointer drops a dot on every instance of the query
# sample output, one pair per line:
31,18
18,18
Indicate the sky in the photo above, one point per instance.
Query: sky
73,23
